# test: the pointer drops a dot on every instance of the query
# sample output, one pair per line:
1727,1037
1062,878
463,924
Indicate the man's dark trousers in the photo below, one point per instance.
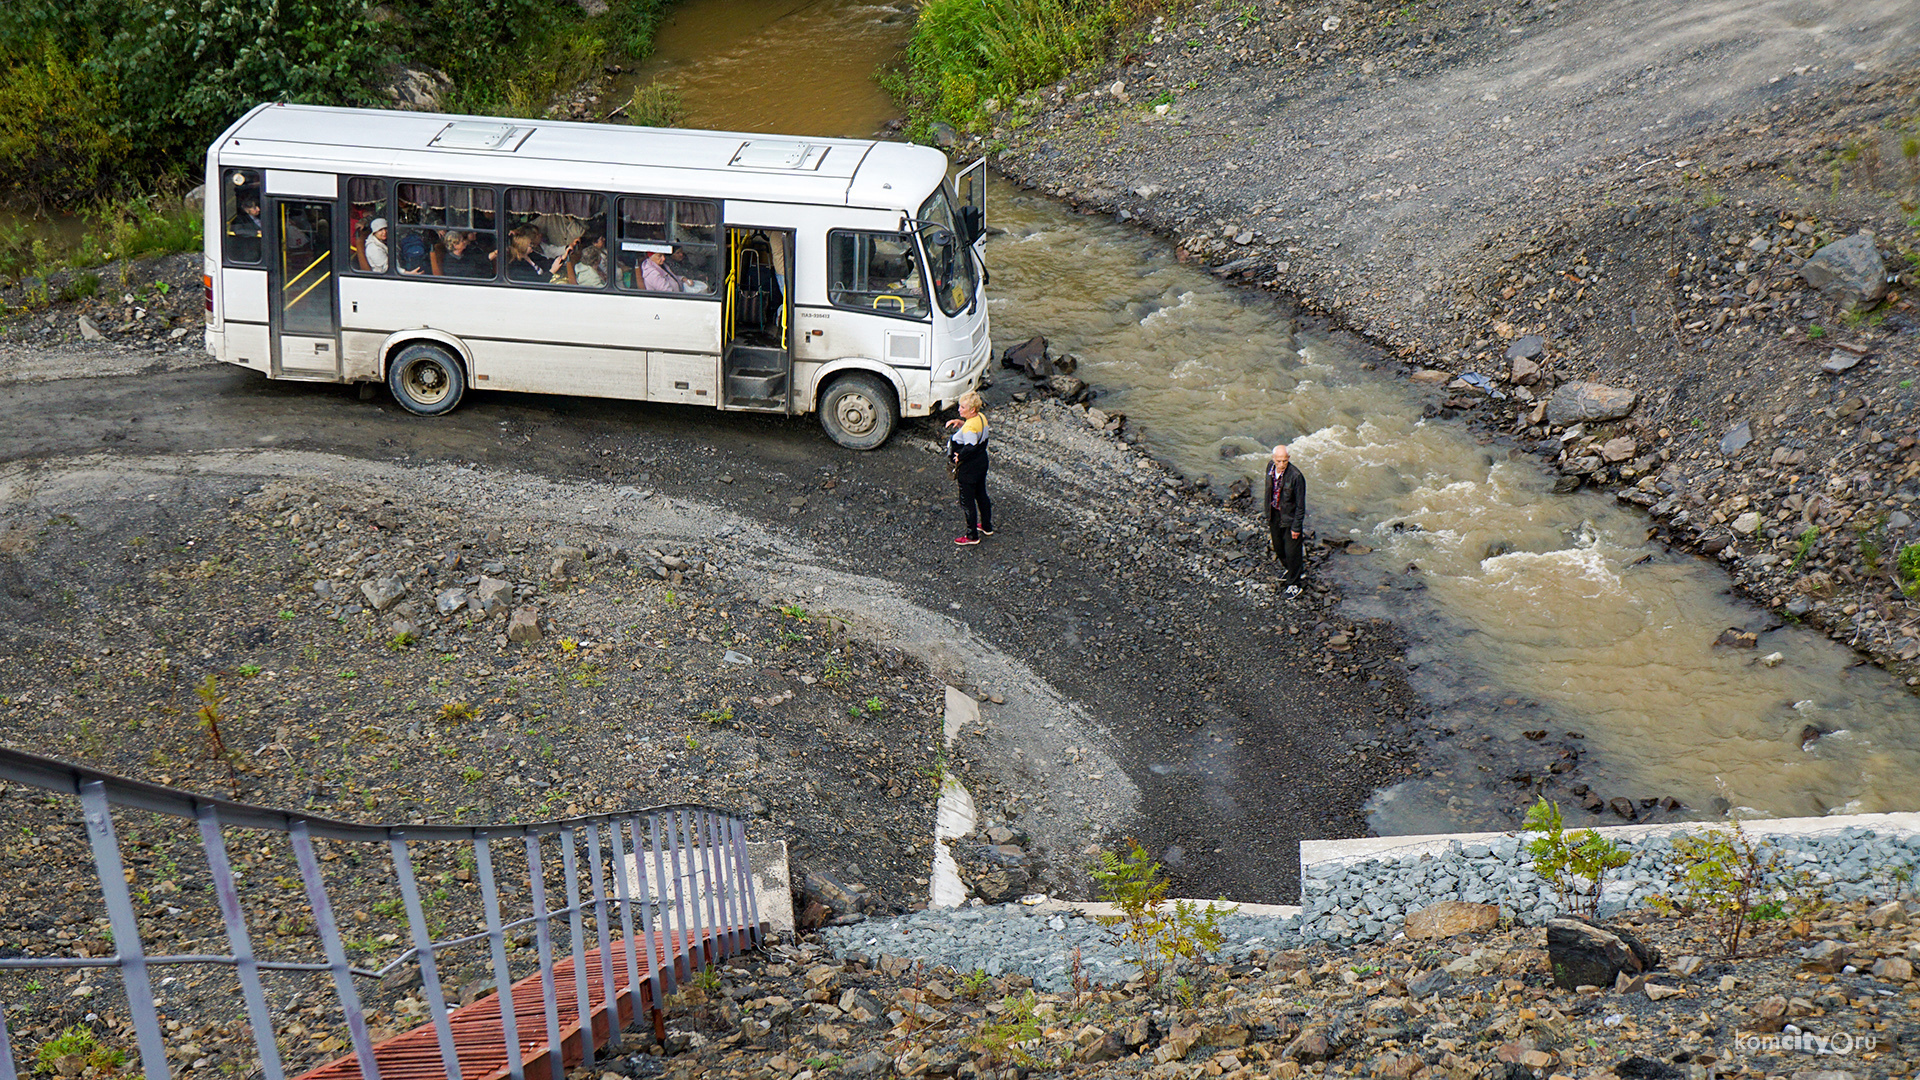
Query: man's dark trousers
1289,549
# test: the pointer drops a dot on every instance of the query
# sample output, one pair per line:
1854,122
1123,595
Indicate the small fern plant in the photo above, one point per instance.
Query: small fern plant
1576,862
1160,932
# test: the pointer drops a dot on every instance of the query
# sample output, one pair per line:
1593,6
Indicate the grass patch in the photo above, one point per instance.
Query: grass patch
657,104
966,53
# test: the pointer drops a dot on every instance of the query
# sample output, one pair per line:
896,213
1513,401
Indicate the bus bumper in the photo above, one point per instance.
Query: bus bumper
946,391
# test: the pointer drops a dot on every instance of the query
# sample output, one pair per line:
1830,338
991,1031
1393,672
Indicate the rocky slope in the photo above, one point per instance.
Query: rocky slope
1550,194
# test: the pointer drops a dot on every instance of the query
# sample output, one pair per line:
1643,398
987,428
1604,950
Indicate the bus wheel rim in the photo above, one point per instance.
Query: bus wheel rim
426,381
856,414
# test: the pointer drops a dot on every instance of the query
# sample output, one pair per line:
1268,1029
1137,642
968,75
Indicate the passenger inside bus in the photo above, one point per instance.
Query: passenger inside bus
586,263
463,256
246,229
372,255
522,263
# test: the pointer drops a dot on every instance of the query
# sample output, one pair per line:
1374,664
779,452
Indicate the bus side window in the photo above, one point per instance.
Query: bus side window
445,230
668,245
556,237
874,271
369,228
240,208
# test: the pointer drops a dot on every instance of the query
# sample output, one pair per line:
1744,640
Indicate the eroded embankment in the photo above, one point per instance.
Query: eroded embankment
1617,193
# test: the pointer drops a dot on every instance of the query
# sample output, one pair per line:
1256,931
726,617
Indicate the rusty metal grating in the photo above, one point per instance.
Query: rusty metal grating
650,895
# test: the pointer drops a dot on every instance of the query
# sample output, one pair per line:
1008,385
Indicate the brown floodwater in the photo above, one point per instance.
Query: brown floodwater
791,67
1525,610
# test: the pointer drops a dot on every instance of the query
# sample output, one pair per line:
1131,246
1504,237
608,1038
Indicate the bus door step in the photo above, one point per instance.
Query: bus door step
764,388
756,377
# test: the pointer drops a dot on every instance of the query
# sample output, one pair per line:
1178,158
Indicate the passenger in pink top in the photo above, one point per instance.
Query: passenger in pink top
656,276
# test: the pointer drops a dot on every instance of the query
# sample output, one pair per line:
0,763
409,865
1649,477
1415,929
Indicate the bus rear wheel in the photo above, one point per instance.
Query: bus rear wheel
426,380
858,411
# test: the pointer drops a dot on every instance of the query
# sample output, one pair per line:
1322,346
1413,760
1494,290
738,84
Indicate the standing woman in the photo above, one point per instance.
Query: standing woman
1286,502
967,449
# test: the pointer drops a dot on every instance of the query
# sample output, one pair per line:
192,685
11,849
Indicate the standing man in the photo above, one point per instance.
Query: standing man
1286,503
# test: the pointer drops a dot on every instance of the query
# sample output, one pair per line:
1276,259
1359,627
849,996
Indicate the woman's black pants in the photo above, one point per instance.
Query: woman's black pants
975,504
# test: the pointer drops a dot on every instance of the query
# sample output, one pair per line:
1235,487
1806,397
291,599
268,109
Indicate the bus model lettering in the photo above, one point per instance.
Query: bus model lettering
684,279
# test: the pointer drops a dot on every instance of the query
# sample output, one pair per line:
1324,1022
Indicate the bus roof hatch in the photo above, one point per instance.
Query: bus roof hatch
778,154
467,135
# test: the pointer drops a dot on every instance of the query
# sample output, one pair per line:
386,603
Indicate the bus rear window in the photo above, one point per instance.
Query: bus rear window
240,209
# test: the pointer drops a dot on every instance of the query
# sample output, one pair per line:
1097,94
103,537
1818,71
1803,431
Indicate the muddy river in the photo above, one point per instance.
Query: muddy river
1526,611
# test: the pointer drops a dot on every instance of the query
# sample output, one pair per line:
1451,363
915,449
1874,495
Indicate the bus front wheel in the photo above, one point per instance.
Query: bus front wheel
426,380
858,411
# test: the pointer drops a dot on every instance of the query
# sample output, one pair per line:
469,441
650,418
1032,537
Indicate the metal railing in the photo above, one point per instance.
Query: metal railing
674,880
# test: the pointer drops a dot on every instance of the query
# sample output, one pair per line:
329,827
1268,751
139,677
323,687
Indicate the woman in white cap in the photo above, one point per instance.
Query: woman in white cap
376,246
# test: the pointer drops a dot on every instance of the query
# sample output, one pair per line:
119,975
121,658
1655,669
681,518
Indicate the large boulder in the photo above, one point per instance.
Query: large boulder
421,89
1850,270
1588,402
1582,954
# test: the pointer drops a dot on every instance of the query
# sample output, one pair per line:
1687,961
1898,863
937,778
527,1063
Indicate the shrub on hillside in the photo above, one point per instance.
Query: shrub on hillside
54,138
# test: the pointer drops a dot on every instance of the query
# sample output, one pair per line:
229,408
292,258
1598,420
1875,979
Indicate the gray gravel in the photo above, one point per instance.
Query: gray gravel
1368,899
1011,939
1350,903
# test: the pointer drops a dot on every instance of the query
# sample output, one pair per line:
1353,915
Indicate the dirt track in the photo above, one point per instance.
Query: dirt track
1137,674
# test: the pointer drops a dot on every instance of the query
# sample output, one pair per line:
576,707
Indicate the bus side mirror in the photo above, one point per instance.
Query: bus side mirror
973,223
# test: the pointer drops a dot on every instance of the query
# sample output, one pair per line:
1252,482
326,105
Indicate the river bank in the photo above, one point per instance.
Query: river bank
1602,193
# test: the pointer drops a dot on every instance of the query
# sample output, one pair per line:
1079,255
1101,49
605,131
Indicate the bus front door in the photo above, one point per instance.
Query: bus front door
757,357
305,312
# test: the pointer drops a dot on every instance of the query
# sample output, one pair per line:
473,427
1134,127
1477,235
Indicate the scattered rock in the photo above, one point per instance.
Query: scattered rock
1891,913
383,593
1582,954
1527,347
1737,439
494,593
1524,372
1586,402
1839,362
1616,450
1848,270
89,329
524,629
1430,983
1450,917
420,89
1030,357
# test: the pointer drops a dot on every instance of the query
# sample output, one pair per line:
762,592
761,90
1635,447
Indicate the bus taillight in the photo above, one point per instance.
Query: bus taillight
206,282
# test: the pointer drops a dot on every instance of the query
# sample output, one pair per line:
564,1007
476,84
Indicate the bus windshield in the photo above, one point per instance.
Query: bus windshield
949,267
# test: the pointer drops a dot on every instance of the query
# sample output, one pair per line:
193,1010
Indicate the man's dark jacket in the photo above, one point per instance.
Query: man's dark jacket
1291,514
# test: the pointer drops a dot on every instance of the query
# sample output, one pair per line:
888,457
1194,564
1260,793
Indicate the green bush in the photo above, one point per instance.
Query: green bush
1576,862
965,52
1160,932
55,142
1907,567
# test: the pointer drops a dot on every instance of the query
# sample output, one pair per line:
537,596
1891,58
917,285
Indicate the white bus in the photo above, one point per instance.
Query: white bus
439,253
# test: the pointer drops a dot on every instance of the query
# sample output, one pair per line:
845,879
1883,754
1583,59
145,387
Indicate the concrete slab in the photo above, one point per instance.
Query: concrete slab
766,860
772,884
1328,854
1096,910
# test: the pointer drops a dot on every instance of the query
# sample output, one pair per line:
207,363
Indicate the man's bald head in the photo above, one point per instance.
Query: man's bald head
1280,455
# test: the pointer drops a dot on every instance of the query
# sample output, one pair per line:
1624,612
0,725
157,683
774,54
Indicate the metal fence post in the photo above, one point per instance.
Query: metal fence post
423,945
739,830
620,886
214,843
502,975
336,952
131,959
582,988
649,919
672,974
543,949
607,989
